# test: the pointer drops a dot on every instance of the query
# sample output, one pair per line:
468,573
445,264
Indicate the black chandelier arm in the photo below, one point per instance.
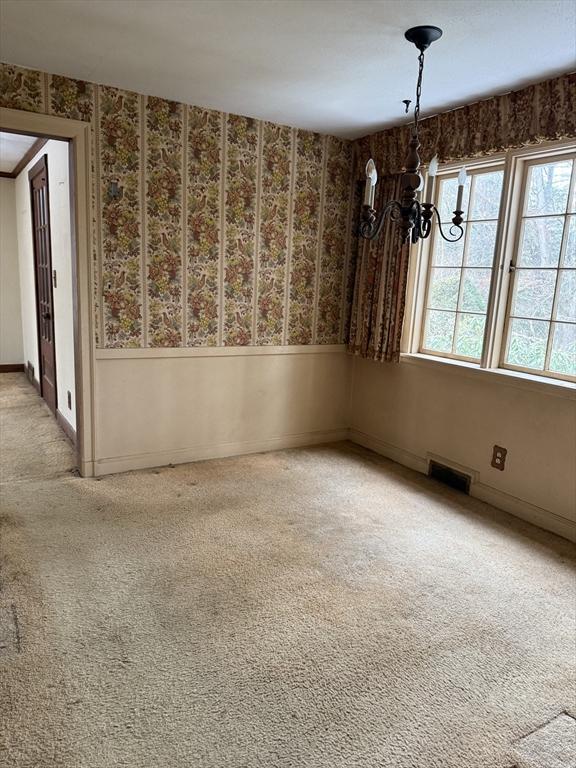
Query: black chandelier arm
426,212
456,230
372,223
421,216
413,215
416,221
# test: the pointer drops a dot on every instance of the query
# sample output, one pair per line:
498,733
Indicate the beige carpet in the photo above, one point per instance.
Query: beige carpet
311,608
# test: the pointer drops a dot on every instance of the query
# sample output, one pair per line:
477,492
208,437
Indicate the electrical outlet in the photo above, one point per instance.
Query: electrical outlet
499,457
69,400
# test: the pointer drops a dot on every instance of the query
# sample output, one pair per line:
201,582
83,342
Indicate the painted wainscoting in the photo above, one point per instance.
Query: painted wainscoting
156,407
419,410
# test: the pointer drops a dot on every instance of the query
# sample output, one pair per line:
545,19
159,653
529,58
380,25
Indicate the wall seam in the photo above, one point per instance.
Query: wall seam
144,222
320,239
348,255
257,232
222,260
184,337
46,92
288,267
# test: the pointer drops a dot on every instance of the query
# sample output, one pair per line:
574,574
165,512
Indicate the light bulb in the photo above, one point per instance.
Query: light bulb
461,182
371,177
432,169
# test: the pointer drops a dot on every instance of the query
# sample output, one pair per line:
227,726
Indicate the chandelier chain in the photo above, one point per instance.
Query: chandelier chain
413,216
418,91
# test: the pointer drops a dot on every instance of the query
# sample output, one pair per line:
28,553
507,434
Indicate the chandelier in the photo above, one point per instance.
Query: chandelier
413,217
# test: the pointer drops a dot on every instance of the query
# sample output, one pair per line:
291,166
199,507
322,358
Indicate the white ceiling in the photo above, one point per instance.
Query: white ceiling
335,66
13,147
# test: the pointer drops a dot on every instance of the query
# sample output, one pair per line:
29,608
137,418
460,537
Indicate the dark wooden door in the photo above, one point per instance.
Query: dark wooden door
38,176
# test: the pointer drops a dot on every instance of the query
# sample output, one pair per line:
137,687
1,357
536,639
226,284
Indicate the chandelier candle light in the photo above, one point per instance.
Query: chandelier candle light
413,217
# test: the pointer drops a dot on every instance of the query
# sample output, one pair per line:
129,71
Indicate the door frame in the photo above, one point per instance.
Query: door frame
39,165
77,134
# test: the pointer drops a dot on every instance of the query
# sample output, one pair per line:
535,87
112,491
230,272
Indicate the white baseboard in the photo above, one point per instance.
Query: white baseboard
399,455
521,508
66,427
116,464
539,516
86,468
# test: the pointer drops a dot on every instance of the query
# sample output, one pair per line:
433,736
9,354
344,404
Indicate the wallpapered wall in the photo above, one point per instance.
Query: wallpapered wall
227,230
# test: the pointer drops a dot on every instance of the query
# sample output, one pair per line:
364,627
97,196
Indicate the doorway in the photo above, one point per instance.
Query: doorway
62,371
39,183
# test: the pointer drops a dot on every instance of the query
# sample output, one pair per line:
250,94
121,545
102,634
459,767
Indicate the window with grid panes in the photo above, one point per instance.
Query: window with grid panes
459,274
540,333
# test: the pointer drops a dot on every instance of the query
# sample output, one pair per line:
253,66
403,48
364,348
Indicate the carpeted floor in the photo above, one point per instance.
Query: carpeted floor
310,608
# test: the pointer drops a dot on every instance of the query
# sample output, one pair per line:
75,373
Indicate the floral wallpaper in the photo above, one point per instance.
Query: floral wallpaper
164,139
335,237
121,217
22,89
204,224
242,155
306,226
209,229
273,236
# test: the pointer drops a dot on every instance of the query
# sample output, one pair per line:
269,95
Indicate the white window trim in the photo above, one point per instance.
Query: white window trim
499,376
448,172
515,162
511,249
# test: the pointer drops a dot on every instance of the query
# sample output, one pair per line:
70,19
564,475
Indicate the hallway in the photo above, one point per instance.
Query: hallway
32,445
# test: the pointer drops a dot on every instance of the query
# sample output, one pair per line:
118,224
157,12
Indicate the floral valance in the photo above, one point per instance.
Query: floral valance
542,112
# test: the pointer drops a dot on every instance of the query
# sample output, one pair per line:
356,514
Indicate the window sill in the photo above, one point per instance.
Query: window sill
526,381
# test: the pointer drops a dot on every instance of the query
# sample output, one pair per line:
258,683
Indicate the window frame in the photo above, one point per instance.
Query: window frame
447,172
516,162
513,271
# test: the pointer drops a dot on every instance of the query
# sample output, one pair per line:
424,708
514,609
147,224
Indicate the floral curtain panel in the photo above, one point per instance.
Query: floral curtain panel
380,287
542,112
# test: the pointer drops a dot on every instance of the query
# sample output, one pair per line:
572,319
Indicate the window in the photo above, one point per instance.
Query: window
460,273
504,295
541,323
